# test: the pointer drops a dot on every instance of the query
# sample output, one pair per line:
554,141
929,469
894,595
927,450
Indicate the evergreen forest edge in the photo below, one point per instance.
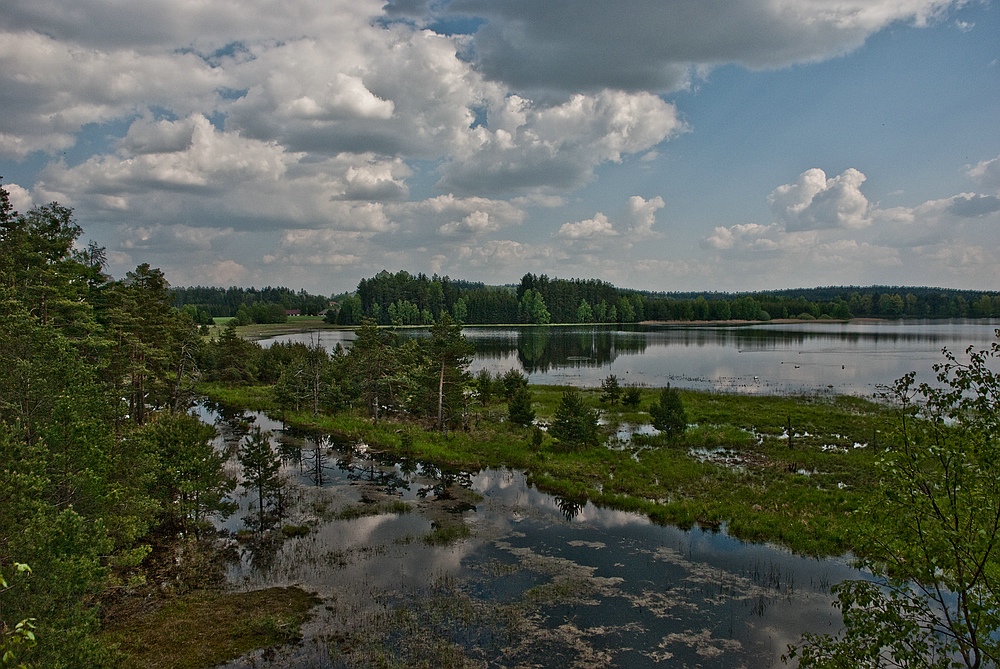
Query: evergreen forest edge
402,298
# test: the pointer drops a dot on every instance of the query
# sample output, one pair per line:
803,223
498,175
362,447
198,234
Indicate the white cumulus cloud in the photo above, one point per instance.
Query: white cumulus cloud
598,226
815,202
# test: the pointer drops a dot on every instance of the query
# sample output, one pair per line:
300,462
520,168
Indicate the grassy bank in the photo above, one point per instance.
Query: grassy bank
737,465
293,325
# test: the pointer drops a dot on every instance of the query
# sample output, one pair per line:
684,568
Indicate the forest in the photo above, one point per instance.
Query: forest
416,299
406,299
108,483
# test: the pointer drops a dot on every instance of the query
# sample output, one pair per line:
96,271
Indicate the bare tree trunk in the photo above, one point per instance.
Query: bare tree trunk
441,400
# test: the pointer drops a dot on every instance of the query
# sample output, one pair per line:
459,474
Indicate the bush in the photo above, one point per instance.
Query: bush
632,396
611,390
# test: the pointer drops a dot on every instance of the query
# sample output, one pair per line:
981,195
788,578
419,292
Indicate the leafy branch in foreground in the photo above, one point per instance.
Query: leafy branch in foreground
14,641
932,530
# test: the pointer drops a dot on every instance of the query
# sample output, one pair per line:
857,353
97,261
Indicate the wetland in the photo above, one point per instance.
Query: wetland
533,580
479,548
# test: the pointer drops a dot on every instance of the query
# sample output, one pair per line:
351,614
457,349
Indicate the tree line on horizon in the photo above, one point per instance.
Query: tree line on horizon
403,298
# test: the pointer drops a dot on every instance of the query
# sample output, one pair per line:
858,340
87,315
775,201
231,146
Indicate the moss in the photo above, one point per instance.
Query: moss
204,629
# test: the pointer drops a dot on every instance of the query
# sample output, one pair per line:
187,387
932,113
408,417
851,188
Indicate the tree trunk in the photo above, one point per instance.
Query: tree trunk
441,400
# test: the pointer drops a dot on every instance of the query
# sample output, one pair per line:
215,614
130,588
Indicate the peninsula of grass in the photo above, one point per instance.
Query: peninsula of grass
737,466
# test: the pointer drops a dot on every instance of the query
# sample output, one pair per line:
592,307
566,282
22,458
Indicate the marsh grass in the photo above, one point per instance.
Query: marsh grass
737,466
355,511
204,629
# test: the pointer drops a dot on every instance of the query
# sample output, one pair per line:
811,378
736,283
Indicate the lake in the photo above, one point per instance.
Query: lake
537,581
825,357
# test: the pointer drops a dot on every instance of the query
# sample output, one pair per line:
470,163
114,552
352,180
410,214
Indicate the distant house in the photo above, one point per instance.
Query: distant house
293,312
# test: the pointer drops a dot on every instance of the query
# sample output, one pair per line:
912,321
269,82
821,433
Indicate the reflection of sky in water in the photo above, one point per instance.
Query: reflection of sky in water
637,592
841,358
674,582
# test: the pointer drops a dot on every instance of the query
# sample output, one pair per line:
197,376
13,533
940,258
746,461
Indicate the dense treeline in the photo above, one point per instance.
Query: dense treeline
100,463
406,299
830,302
261,305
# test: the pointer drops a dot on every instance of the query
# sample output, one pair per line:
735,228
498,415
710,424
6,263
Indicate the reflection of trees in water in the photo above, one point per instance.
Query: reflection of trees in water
444,480
315,460
376,470
540,349
764,338
260,550
570,508
232,424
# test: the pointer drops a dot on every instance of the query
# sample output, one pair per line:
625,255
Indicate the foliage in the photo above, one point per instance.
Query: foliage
532,309
306,375
574,424
632,396
260,465
931,532
611,390
519,407
20,638
372,366
485,386
448,354
589,300
668,413
512,381
268,302
192,485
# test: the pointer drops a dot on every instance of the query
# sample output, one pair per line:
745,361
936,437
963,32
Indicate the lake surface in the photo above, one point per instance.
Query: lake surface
852,358
537,581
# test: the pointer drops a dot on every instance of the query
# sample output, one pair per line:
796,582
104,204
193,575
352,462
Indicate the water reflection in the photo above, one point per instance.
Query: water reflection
539,579
815,357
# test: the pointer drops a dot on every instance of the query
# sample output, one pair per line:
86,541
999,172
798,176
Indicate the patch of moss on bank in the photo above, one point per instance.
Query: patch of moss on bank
203,629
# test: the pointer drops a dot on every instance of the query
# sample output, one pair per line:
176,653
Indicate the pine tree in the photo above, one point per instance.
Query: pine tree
575,424
519,407
668,414
261,466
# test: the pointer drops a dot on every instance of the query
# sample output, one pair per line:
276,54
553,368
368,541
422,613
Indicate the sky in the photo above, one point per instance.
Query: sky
667,145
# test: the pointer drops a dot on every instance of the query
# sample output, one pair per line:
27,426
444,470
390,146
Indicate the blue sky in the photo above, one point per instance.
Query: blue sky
656,144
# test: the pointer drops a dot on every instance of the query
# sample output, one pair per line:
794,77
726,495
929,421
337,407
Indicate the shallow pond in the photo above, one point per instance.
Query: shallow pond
418,565
809,357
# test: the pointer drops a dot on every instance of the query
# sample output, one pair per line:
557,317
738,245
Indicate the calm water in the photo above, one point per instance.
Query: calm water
839,358
539,581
